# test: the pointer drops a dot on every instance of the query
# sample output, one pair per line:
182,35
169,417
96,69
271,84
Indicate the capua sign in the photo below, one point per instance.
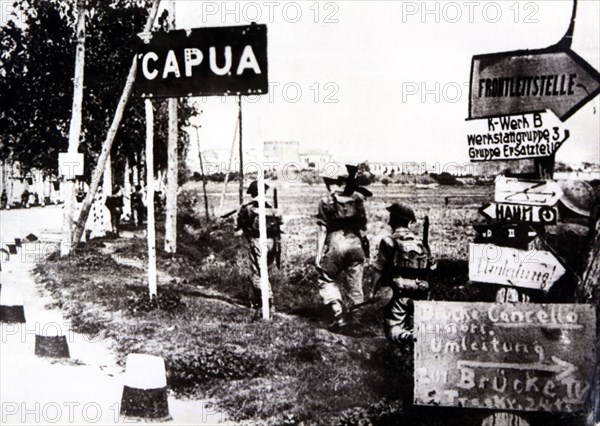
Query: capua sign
203,62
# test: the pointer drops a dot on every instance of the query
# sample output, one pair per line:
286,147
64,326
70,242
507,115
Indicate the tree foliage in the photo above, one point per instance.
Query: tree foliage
36,88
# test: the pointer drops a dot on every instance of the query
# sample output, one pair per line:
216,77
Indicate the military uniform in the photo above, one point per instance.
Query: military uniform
247,221
343,251
402,263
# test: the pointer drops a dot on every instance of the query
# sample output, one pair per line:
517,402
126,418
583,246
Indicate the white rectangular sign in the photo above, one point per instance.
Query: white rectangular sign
527,192
70,165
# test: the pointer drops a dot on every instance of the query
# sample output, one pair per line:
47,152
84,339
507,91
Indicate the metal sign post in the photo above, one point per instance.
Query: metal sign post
262,222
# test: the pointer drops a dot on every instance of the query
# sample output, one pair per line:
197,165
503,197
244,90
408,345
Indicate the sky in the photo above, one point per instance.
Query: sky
385,80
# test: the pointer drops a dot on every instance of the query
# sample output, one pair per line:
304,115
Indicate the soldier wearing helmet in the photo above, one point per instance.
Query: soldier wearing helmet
248,222
402,263
341,245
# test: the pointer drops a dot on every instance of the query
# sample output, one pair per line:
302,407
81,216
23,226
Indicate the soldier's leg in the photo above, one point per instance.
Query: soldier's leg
329,291
354,277
398,320
255,251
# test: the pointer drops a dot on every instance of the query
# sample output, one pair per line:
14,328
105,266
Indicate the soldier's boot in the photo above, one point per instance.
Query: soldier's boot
336,314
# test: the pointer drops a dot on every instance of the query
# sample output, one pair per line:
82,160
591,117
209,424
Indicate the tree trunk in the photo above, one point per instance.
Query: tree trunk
75,129
110,136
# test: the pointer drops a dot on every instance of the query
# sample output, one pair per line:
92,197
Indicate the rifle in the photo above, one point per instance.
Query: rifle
234,211
426,232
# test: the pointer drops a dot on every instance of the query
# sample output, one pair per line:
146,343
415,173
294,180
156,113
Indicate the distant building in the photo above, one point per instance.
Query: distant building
282,152
315,159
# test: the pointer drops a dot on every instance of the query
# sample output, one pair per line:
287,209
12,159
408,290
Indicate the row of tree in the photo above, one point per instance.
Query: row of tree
36,88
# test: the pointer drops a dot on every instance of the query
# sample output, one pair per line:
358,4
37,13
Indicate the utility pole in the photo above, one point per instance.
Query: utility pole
74,130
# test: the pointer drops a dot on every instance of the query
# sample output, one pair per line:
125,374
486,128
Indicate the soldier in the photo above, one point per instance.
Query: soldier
402,263
248,222
341,245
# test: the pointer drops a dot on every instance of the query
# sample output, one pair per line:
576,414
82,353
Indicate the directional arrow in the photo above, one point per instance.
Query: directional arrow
517,235
536,269
529,81
563,368
528,192
517,213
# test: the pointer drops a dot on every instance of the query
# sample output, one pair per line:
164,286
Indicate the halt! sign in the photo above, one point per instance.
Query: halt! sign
203,62
527,357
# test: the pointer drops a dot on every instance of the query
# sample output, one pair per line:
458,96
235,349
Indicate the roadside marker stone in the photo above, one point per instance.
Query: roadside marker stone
11,305
145,389
50,338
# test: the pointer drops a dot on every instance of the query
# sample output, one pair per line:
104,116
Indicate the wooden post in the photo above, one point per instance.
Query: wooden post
202,172
150,198
172,166
235,132
110,136
75,129
263,265
241,151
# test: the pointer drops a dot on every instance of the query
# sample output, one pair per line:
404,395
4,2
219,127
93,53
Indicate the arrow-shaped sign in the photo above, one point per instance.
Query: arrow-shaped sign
517,213
563,369
517,235
515,137
536,269
530,81
528,192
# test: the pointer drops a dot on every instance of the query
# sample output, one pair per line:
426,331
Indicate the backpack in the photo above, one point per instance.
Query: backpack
348,207
273,218
410,254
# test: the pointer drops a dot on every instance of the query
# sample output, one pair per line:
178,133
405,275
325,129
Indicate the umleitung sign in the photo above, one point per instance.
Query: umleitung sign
527,357
203,62
507,266
531,81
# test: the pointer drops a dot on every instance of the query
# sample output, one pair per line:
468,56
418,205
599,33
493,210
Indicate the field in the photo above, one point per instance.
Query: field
289,370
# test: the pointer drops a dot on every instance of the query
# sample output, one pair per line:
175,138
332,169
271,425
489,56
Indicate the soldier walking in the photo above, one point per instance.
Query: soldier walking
341,245
247,221
402,263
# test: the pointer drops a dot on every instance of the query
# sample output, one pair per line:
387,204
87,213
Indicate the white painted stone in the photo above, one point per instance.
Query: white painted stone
145,372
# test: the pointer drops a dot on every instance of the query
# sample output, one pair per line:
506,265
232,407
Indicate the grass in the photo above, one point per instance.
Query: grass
285,371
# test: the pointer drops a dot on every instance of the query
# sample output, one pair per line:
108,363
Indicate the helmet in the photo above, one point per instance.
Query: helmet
402,211
253,188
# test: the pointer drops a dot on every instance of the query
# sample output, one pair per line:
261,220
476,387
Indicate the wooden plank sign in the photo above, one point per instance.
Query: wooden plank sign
517,235
517,213
531,81
527,192
527,357
535,269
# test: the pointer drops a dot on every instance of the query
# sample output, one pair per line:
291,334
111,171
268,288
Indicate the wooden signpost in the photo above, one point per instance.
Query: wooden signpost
515,357
526,357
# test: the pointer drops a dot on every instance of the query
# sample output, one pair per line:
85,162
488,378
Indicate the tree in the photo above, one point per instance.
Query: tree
35,96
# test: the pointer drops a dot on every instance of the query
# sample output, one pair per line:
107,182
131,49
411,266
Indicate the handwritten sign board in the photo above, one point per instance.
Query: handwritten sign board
527,357
531,81
535,269
515,137
203,62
